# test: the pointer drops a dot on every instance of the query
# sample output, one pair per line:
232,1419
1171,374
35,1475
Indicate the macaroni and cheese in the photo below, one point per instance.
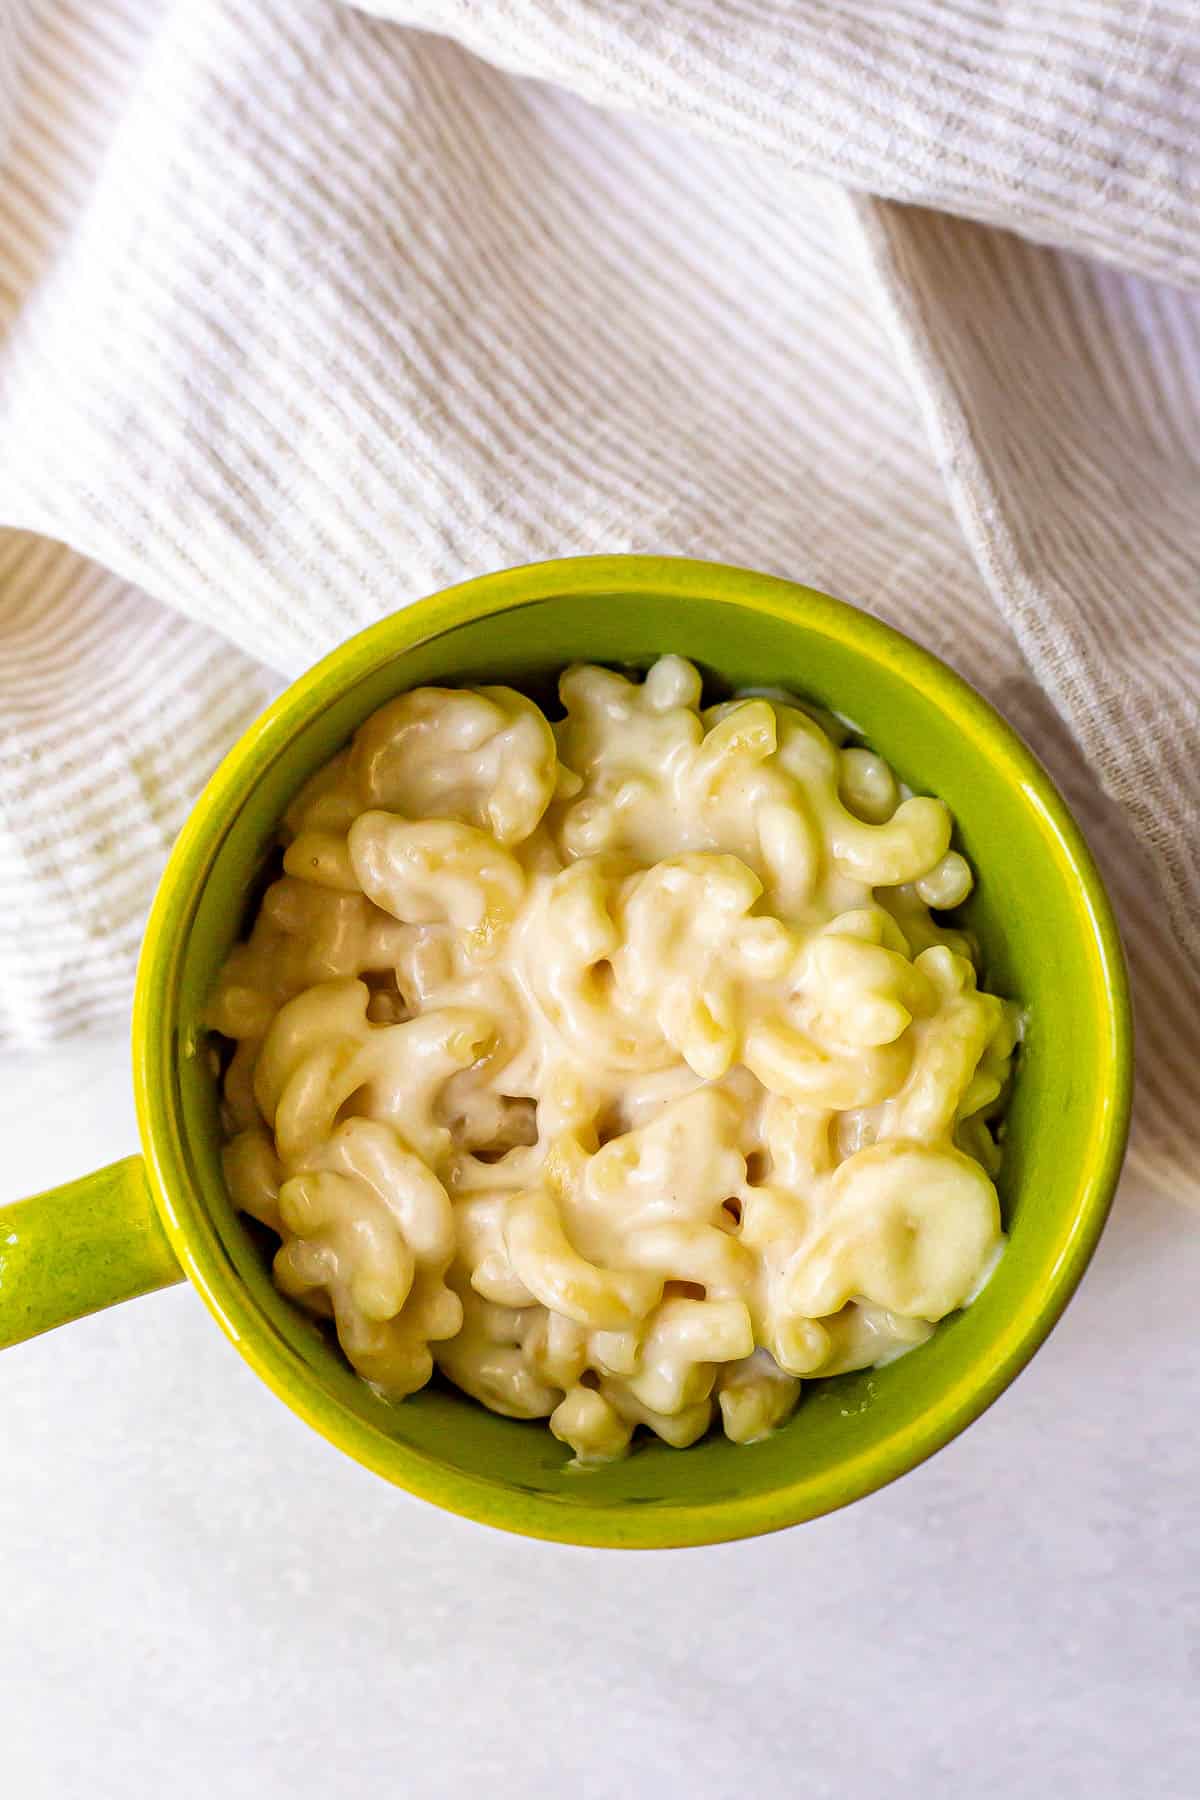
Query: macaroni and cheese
616,1068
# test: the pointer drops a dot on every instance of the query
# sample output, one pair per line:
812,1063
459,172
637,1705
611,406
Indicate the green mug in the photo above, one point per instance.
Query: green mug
1039,911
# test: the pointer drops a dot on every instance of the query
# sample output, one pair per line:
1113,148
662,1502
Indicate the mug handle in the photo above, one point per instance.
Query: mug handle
78,1248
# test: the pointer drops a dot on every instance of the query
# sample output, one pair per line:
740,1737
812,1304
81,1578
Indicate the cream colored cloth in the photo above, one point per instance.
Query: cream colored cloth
305,313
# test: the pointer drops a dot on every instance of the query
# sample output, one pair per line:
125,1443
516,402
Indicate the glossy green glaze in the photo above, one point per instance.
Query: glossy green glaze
1040,914
75,1249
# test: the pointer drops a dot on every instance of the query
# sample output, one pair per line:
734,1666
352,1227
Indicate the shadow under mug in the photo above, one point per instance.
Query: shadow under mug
1039,912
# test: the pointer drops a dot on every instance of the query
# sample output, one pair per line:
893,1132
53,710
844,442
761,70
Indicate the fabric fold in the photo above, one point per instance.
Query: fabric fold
1075,125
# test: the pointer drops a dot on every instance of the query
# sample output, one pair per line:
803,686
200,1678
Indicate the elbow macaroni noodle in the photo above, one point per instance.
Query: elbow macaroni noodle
616,1068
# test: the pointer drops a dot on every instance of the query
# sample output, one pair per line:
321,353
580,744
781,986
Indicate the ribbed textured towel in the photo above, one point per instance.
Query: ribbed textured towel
305,313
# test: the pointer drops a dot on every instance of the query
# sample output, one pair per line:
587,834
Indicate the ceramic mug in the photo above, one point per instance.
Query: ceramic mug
1041,917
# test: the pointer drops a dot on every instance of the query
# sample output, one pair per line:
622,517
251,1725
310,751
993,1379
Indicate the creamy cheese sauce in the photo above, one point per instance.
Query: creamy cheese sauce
618,1068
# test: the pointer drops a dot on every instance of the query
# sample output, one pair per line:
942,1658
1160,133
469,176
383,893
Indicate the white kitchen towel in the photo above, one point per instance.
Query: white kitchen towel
304,313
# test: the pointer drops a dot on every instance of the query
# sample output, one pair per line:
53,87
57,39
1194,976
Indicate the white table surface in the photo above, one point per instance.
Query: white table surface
199,1597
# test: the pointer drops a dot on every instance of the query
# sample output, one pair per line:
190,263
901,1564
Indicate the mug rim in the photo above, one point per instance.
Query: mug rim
155,1052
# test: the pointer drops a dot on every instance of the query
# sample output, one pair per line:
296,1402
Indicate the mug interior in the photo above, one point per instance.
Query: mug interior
1038,911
